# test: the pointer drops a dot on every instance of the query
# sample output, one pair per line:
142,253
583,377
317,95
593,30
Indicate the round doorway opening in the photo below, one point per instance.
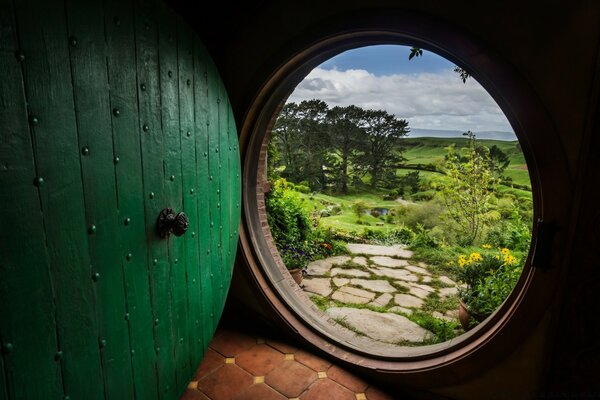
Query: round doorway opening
388,241
398,197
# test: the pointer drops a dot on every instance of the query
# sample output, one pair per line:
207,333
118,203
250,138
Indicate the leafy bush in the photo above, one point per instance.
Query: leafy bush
495,288
425,214
423,238
290,225
302,189
359,208
489,277
510,234
375,213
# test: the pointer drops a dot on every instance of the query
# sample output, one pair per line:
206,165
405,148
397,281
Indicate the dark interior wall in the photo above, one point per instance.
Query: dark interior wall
554,48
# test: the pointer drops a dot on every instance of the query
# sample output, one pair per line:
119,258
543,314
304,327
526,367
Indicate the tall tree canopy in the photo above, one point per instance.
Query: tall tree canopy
327,147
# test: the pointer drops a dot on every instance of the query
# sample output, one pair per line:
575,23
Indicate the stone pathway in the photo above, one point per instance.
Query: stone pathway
376,289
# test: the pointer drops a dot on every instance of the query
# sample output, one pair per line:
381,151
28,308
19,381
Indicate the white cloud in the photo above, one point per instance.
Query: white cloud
425,100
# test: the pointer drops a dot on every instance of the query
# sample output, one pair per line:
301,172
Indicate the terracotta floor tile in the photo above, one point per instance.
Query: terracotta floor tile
260,392
290,378
346,379
373,393
285,348
225,382
327,389
259,360
231,343
312,361
212,360
191,394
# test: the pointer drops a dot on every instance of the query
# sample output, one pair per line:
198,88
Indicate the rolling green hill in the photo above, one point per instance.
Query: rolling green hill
431,150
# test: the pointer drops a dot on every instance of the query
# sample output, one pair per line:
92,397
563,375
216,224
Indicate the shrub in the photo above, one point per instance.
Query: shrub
423,238
375,213
302,189
489,277
289,223
359,208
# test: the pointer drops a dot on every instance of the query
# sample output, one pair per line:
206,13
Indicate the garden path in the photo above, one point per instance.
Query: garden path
377,290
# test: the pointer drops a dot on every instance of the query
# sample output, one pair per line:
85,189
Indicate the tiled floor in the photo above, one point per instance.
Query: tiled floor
242,366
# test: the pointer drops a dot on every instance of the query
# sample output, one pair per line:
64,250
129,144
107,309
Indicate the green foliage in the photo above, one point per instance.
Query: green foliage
288,222
494,289
409,183
423,238
442,329
511,233
359,208
468,190
489,277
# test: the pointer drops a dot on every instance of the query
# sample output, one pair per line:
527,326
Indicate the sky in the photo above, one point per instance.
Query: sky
425,91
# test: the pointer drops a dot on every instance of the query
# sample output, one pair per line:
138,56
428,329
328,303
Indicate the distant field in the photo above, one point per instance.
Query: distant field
431,150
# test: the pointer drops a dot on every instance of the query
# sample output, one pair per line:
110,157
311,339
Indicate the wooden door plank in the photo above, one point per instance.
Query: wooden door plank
28,323
235,187
153,147
201,128
188,168
93,118
223,208
127,161
214,196
170,111
43,35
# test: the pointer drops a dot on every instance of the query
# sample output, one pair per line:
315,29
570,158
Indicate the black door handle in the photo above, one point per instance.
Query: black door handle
170,222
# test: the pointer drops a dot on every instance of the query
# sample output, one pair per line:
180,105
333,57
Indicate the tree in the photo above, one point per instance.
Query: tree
381,151
469,189
286,135
498,161
359,208
313,142
345,135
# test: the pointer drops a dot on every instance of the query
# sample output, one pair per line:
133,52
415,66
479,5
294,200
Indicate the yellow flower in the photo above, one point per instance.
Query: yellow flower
474,257
505,251
487,246
462,261
497,257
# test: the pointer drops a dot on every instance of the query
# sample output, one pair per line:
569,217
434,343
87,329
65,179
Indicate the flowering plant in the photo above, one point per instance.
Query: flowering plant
487,279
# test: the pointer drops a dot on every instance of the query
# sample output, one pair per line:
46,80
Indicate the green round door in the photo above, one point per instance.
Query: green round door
111,111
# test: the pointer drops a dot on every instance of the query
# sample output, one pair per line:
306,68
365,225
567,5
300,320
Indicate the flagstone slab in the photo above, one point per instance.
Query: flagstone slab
340,281
394,273
348,294
382,300
317,268
380,286
321,267
404,310
418,270
320,286
350,272
447,281
376,250
419,292
360,260
386,261
407,300
384,327
450,291
439,315
422,286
